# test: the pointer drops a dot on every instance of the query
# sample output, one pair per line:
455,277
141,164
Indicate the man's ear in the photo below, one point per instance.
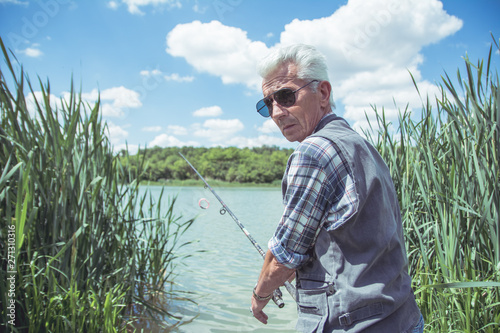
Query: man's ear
325,89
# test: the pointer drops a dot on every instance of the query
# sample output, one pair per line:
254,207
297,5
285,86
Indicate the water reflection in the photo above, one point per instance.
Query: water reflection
224,266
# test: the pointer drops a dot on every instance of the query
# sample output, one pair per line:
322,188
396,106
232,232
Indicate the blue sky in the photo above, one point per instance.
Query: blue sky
182,72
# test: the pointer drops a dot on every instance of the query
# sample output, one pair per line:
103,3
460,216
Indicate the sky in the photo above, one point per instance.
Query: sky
183,72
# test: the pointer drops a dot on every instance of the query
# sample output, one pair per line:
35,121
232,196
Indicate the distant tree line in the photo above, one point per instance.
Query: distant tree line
243,165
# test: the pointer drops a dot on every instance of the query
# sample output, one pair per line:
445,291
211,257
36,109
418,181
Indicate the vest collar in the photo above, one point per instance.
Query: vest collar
325,120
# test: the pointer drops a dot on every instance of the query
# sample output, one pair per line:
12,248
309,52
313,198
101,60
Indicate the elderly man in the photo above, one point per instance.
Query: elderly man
341,233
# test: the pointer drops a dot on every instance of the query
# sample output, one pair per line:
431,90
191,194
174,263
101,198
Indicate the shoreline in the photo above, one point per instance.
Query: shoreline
211,182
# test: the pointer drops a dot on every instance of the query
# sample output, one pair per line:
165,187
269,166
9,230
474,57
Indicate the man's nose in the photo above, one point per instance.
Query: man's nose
278,111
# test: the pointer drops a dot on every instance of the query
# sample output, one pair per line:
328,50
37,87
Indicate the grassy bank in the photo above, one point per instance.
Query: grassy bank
446,168
83,251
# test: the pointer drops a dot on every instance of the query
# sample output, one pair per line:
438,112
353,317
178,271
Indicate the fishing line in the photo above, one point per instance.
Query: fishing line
203,203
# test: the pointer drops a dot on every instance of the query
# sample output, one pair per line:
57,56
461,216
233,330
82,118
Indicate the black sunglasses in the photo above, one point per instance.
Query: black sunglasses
284,97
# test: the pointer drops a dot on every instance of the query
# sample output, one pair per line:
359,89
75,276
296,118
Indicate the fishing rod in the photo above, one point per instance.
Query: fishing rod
277,295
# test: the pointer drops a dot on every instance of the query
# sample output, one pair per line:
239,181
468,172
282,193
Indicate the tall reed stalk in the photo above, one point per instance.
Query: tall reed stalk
91,254
446,169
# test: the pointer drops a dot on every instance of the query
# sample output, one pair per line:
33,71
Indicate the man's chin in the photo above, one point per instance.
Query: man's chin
291,138
290,134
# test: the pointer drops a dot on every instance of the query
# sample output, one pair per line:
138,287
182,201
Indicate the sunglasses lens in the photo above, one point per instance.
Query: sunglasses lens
285,97
262,108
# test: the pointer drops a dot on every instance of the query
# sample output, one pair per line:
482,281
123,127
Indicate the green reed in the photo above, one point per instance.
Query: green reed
92,253
446,169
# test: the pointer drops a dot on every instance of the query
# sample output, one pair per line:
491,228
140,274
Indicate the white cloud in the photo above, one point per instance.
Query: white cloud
261,140
109,110
218,50
210,111
32,51
148,73
269,126
218,130
159,76
213,132
177,130
113,5
371,48
15,2
199,9
165,140
151,129
133,5
122,97
114,100
177,78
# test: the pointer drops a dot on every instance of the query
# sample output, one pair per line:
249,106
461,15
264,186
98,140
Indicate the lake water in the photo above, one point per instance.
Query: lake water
222,277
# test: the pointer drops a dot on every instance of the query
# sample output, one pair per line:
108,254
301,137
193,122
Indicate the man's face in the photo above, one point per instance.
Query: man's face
299,120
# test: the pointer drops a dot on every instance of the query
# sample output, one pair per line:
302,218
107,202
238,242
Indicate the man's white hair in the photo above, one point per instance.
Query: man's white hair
311,64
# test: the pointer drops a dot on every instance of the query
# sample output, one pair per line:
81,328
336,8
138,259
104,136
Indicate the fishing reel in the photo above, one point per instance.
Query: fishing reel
278,298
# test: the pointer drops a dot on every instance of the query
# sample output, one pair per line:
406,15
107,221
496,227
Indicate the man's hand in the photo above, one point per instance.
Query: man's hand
272,276
257,312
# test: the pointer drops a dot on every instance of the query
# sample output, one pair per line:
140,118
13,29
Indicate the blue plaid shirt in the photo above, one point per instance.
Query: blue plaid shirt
318,192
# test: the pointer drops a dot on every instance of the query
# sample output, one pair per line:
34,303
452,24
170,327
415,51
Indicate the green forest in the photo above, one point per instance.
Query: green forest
261,165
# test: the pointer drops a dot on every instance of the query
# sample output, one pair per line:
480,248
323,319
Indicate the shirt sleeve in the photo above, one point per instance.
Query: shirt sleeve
313,184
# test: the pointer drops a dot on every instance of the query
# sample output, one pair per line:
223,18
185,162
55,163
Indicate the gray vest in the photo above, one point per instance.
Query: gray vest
357,279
